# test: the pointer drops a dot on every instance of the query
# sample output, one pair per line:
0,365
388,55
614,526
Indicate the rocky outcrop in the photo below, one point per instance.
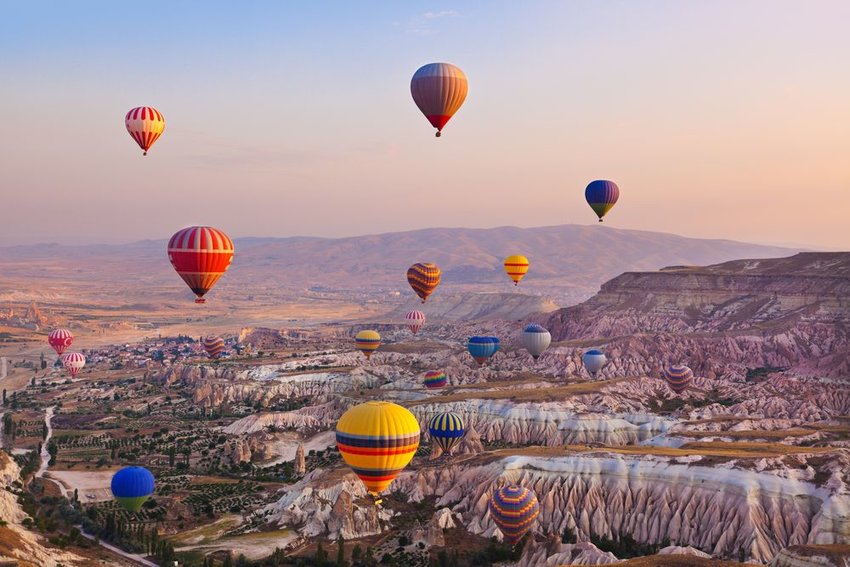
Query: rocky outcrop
300,464
584,553
784,313
813,556
16,542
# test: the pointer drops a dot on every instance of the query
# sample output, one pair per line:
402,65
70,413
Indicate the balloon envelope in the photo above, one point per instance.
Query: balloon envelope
415,320
482,348
535,339
60,339
439,89
200,255
594,360
214,346
377,440
516,267
514,509
74,362
678,377
367,342
145,125
446,430
434,379
601,195
423,277
132,486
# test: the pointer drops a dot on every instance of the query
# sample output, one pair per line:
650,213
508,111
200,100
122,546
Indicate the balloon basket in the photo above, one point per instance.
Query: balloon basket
200,300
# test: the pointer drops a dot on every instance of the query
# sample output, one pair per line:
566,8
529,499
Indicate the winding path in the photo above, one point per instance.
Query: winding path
45,462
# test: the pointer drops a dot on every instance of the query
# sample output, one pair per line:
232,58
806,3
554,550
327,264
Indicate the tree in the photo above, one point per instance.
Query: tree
340,551
44,430
356,553
4,395
321,556
172,453
43,362
228,560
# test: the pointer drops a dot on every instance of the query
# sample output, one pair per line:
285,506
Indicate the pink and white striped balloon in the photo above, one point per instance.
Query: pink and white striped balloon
74,362
415,320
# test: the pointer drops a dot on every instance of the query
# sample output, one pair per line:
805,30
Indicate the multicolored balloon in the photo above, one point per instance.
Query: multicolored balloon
514,509
200,255
367,342
60,339
678,377
74,362
482,348
535,339
601,195
434,379
132,486
145,125
593,360
377,440
446,430
439,90
415,320
214,346
423,277
516,267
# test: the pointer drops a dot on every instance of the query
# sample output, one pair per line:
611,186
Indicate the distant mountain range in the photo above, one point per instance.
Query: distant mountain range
568,262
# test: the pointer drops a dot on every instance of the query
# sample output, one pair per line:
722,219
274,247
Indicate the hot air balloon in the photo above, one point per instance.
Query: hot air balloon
516,267
446,430
678,377
535,339
367,342
514,508
434,379
214,346
200,255
423,278
132,486
60,339
74,362
439,90
415,320
145,125
601,195
482,348
377,440
593,360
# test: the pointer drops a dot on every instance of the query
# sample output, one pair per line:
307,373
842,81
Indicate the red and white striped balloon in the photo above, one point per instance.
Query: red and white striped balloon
74,362
60,339
415,320
201,255
145,125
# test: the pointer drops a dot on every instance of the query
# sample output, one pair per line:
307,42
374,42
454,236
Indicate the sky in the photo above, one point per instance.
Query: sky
722,118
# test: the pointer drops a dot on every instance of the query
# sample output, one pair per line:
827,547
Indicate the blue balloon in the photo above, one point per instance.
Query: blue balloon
601,195
482,348
131,486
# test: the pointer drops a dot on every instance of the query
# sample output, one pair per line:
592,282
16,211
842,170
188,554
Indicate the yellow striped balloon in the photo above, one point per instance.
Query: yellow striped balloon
516,267
377,440
423,277
368,342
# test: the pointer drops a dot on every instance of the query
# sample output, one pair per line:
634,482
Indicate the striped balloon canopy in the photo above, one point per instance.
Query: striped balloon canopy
536,339
214,346
516,267
145,125
593,360
377,440
678,377
132,486
434,379
74,362
446,430
482,348
367,342
601,195
415,320
514,509
200,255
424,278
439,89
60,339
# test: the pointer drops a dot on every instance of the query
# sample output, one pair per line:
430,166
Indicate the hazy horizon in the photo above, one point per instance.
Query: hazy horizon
717,120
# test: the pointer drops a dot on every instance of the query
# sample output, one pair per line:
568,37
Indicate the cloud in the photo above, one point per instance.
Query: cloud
423,24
